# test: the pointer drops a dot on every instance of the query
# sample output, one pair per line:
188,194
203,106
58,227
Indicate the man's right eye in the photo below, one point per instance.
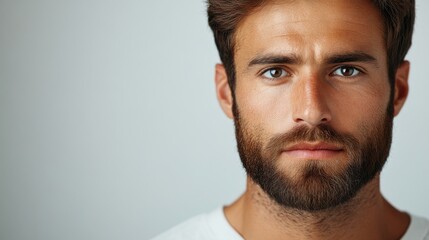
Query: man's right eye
274,73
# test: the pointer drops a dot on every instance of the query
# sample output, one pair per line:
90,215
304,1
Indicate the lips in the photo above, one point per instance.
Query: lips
319,150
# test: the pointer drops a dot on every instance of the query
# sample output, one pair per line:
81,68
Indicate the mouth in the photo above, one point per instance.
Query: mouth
313,151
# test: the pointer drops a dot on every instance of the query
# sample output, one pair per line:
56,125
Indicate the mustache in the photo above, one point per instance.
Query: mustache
303,133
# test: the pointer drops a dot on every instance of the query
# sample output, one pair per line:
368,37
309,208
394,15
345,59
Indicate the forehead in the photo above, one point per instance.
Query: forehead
311,28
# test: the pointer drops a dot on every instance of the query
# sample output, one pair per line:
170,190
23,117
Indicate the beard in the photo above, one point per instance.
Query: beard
314,185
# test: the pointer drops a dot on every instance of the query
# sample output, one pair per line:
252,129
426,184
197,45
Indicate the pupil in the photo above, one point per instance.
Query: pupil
347,71
275,73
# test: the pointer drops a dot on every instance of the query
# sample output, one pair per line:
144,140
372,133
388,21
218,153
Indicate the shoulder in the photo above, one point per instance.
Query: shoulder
209,226
418,229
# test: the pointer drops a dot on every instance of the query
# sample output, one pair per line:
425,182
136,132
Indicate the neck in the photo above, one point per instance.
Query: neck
256,216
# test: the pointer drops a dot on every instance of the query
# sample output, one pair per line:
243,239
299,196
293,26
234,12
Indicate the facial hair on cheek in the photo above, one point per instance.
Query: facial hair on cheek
313,187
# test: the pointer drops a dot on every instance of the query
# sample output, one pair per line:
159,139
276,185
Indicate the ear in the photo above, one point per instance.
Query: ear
401,86
223,91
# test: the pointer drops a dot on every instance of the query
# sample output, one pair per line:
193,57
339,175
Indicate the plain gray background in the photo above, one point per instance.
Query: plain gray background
109,126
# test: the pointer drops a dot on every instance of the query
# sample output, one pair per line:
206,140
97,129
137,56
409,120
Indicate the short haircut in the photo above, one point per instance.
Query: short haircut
225,15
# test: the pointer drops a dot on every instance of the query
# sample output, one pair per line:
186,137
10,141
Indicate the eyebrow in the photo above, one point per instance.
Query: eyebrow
351,57
275,59
294,59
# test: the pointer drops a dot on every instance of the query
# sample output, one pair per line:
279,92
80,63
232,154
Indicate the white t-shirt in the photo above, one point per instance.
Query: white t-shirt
214,226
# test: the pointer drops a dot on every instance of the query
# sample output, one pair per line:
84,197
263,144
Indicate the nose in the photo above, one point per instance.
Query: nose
310,101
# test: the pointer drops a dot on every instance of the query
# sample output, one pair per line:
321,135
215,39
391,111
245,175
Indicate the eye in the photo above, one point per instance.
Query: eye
274,73
346,71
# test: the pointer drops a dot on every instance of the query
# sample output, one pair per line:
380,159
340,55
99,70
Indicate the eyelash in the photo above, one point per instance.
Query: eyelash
285,73
356,71
267,71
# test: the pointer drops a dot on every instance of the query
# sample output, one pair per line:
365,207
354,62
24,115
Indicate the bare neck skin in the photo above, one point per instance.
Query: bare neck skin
368,215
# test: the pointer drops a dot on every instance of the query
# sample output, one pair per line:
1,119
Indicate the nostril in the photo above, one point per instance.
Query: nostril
299,119
312,121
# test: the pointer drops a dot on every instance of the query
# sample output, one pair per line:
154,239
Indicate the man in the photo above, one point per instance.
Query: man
312,87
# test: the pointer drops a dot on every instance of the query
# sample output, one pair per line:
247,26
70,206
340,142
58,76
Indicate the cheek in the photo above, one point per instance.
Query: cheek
357,113
264,108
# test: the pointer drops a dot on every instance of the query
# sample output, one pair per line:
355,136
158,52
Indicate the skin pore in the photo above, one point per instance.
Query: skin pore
307,63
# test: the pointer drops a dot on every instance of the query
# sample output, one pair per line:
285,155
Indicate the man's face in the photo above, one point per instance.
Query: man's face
311,100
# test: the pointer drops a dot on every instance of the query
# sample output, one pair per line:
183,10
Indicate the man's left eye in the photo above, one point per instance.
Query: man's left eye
346,71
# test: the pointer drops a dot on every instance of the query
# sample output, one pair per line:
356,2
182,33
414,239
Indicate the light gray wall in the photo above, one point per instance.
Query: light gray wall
109,126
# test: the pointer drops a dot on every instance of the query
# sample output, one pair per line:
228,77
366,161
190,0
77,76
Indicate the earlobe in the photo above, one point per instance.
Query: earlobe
401,86
223,91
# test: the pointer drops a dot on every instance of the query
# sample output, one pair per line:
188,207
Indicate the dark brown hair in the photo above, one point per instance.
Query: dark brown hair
225,15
